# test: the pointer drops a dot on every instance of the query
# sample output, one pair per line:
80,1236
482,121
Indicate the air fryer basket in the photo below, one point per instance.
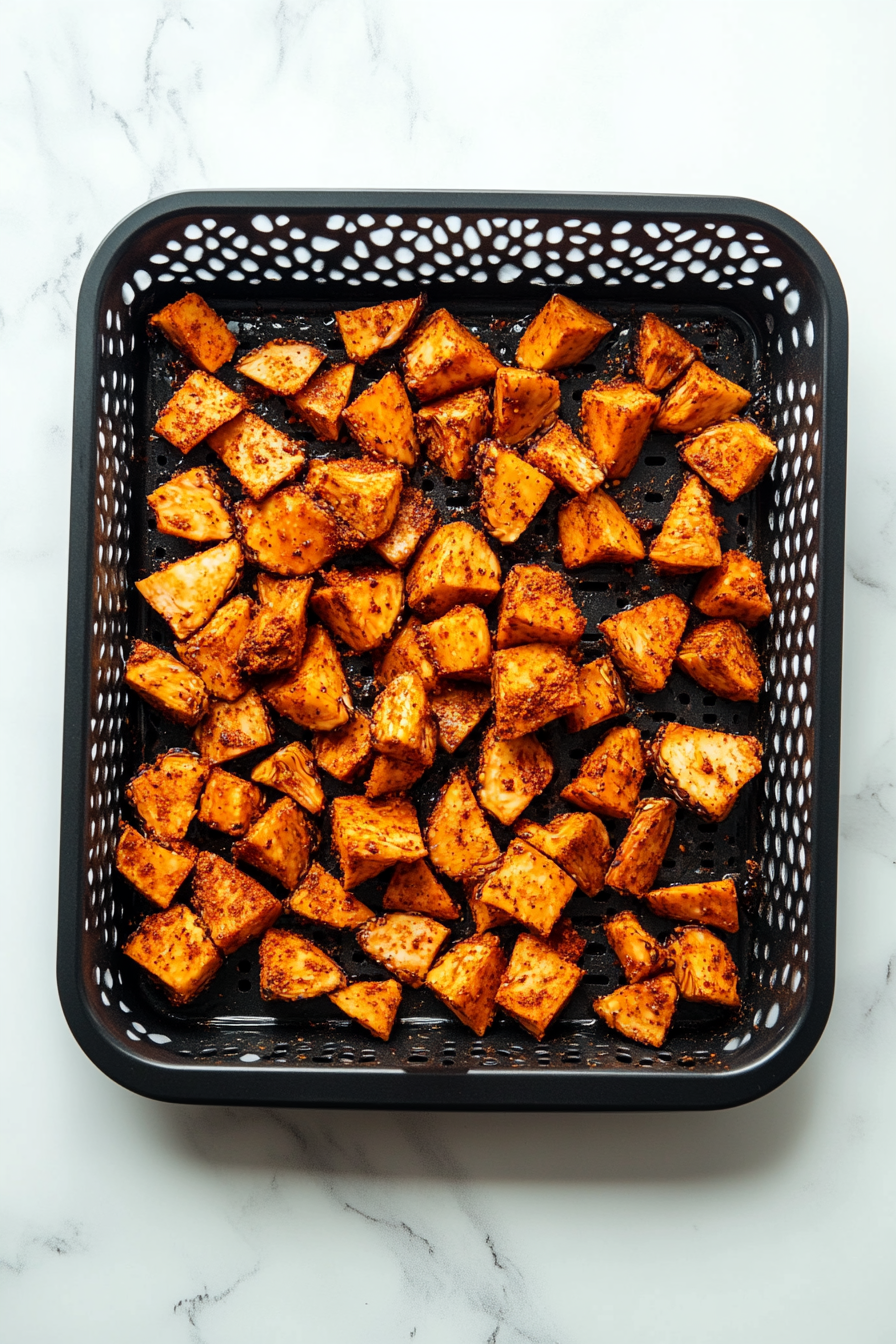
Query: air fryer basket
765,304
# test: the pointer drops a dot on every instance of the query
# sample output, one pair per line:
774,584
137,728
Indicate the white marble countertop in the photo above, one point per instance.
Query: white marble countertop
126,1219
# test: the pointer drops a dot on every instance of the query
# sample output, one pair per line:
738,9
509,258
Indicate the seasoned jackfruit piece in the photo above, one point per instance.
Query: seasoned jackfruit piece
279,843
197,330
166,791
381,421
275,638
459,644
458,709
538,607
192,505
735,589
566,460
525,399
611,777
640,855
234,727
529,886
322,400
315,694
689,538
415,519
721,658
292,967
187,592
704,769
392,776
616,419
212,652
163,682
578,842
407,945
595,531
451,428
175,950
732,457
230,804
601,696
400,719
566,942
537,984
345,752
454,565
485,917
415,888
699,903
561,334
639,954
370,836
288,533
703,967
281,366
156,872
531,685
234,907
642,1012
292,771
699,398
363,491
360,606
662,353
644,640
365,331
458,836
511,774
408,653
511,492
444,357
201,405
466,980
320,897
258,455
373,1004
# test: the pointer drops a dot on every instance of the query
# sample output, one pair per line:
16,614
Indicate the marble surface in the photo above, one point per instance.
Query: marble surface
130,1220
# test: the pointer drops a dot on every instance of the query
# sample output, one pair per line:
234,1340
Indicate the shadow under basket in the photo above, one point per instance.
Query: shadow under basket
764,302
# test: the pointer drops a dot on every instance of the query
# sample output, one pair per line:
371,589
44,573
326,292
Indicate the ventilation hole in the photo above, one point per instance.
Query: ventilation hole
655,461
162,461
652,497
684,699
428,484
357,956
710,718
244,966
244,986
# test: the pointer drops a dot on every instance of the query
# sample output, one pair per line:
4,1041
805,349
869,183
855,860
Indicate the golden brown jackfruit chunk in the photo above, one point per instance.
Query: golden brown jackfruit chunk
529,886
601,696
466,980
610,779
187,592
258,455
562,457
381,421
511,774
156,872
408,653
699,398
292,771
662,353
640,855
703,967
639,954
315,694
721,658
698,903
365,331
444,357
230,804
644,640
400,720
616,419
703,768
531,685
279,843
455,565
165,793
233,907
193,506
363,491
460,842
732,457
276,635
578,842
458,708
485,917
415,518
407,945
414,888
292,967
537,984
561,334
281,366
234,727
373,1004
163,682
197,330
322,400
345,752
371,836
642,1012
201,405
689,538
511,492
451,428
459,644
360,606
212,652
595,531
538,607
525,399
175,950
323,899
735,589
288,533
393,776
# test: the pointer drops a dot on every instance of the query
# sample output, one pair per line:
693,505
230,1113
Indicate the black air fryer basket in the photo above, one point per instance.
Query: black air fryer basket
763,301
